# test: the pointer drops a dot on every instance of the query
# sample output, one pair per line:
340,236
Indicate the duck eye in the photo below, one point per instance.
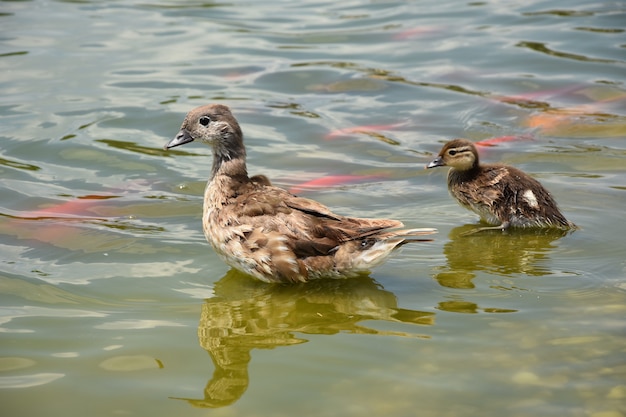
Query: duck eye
367,243
205,120
452,152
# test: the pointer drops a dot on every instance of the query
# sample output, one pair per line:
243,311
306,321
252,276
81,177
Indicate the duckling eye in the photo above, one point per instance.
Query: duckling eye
204,120
452,152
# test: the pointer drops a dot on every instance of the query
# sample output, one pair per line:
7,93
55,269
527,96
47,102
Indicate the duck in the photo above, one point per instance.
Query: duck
503,196
267,232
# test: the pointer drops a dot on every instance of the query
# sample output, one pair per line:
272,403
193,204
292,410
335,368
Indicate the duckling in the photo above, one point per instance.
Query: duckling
501,195
269,233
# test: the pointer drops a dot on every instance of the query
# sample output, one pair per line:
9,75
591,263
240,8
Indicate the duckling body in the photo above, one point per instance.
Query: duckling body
501,195
269,233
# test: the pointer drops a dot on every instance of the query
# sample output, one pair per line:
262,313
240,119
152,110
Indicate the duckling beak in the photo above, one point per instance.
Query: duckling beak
181,138
437,162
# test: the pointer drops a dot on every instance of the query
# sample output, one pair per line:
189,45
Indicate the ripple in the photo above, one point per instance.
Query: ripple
130,363
137,324
13,363
29,381
542,48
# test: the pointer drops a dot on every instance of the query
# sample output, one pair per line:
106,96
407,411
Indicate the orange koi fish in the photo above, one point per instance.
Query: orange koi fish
503,139
416,32
365,129
332,181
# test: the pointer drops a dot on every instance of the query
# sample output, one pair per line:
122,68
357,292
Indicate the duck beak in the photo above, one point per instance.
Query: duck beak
437,162
181,138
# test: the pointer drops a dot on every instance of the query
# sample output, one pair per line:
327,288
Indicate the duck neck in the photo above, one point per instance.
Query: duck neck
227,178
229,167
229,155
457,175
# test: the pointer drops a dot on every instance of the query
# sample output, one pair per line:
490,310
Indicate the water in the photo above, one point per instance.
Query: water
112,303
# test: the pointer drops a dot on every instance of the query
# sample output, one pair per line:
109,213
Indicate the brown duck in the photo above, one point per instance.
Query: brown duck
266,231
501,195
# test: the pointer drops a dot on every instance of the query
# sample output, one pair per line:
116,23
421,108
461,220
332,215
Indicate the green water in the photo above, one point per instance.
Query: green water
113,304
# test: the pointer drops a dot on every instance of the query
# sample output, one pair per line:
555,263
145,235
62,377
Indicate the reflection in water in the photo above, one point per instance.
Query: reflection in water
246,314
516,251
467,307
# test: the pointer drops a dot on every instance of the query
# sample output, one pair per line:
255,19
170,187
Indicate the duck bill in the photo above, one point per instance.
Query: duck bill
181,138
437,162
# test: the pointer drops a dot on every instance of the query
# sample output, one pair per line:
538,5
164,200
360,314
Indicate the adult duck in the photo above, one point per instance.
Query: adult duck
269,233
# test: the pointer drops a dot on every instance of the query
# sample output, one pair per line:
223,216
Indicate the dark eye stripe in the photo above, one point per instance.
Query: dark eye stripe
464,149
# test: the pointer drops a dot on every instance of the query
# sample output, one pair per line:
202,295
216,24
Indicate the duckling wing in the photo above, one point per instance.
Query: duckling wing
485,188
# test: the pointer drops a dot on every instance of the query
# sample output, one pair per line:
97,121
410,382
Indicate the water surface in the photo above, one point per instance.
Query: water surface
112,303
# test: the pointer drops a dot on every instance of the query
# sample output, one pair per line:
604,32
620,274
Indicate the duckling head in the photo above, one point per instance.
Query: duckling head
459,154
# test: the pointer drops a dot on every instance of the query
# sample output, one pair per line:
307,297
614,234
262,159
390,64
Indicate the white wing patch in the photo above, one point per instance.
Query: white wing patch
530,198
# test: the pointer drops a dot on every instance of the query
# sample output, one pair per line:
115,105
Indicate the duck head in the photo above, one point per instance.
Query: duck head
214,125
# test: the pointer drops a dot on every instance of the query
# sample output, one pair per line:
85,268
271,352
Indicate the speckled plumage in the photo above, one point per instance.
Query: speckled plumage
269,233
501,195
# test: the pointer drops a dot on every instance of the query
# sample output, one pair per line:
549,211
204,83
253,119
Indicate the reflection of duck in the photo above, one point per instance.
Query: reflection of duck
468,307
518,251
246,314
